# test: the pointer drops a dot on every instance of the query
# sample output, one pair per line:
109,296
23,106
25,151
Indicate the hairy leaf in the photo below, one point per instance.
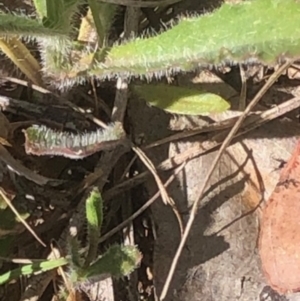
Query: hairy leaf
30,269
118,261
263,31
94,216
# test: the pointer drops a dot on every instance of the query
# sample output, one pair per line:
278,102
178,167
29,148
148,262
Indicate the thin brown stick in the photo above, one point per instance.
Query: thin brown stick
143,208
121,99
243,95
217,126
61,270
252,122
96,102
15,211
223,147
164,195
221,125
64,101
16,167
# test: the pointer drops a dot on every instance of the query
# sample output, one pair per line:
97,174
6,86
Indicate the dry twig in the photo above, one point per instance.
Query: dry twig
15,211
143,208
223,147
252,122
164,195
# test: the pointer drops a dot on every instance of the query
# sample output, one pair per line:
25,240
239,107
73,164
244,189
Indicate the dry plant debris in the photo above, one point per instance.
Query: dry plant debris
279,243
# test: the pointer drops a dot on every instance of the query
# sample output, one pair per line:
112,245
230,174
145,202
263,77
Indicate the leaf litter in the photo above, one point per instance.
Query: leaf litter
81,170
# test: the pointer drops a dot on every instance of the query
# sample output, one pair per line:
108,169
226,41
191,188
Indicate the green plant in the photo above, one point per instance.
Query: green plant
40,140
264,31
83,265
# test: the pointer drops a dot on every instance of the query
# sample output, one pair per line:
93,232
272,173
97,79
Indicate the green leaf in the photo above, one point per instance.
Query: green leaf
103,16
94,216
24,26
117,261
17,51
33,268
181,100
40,7
251,31
56,13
